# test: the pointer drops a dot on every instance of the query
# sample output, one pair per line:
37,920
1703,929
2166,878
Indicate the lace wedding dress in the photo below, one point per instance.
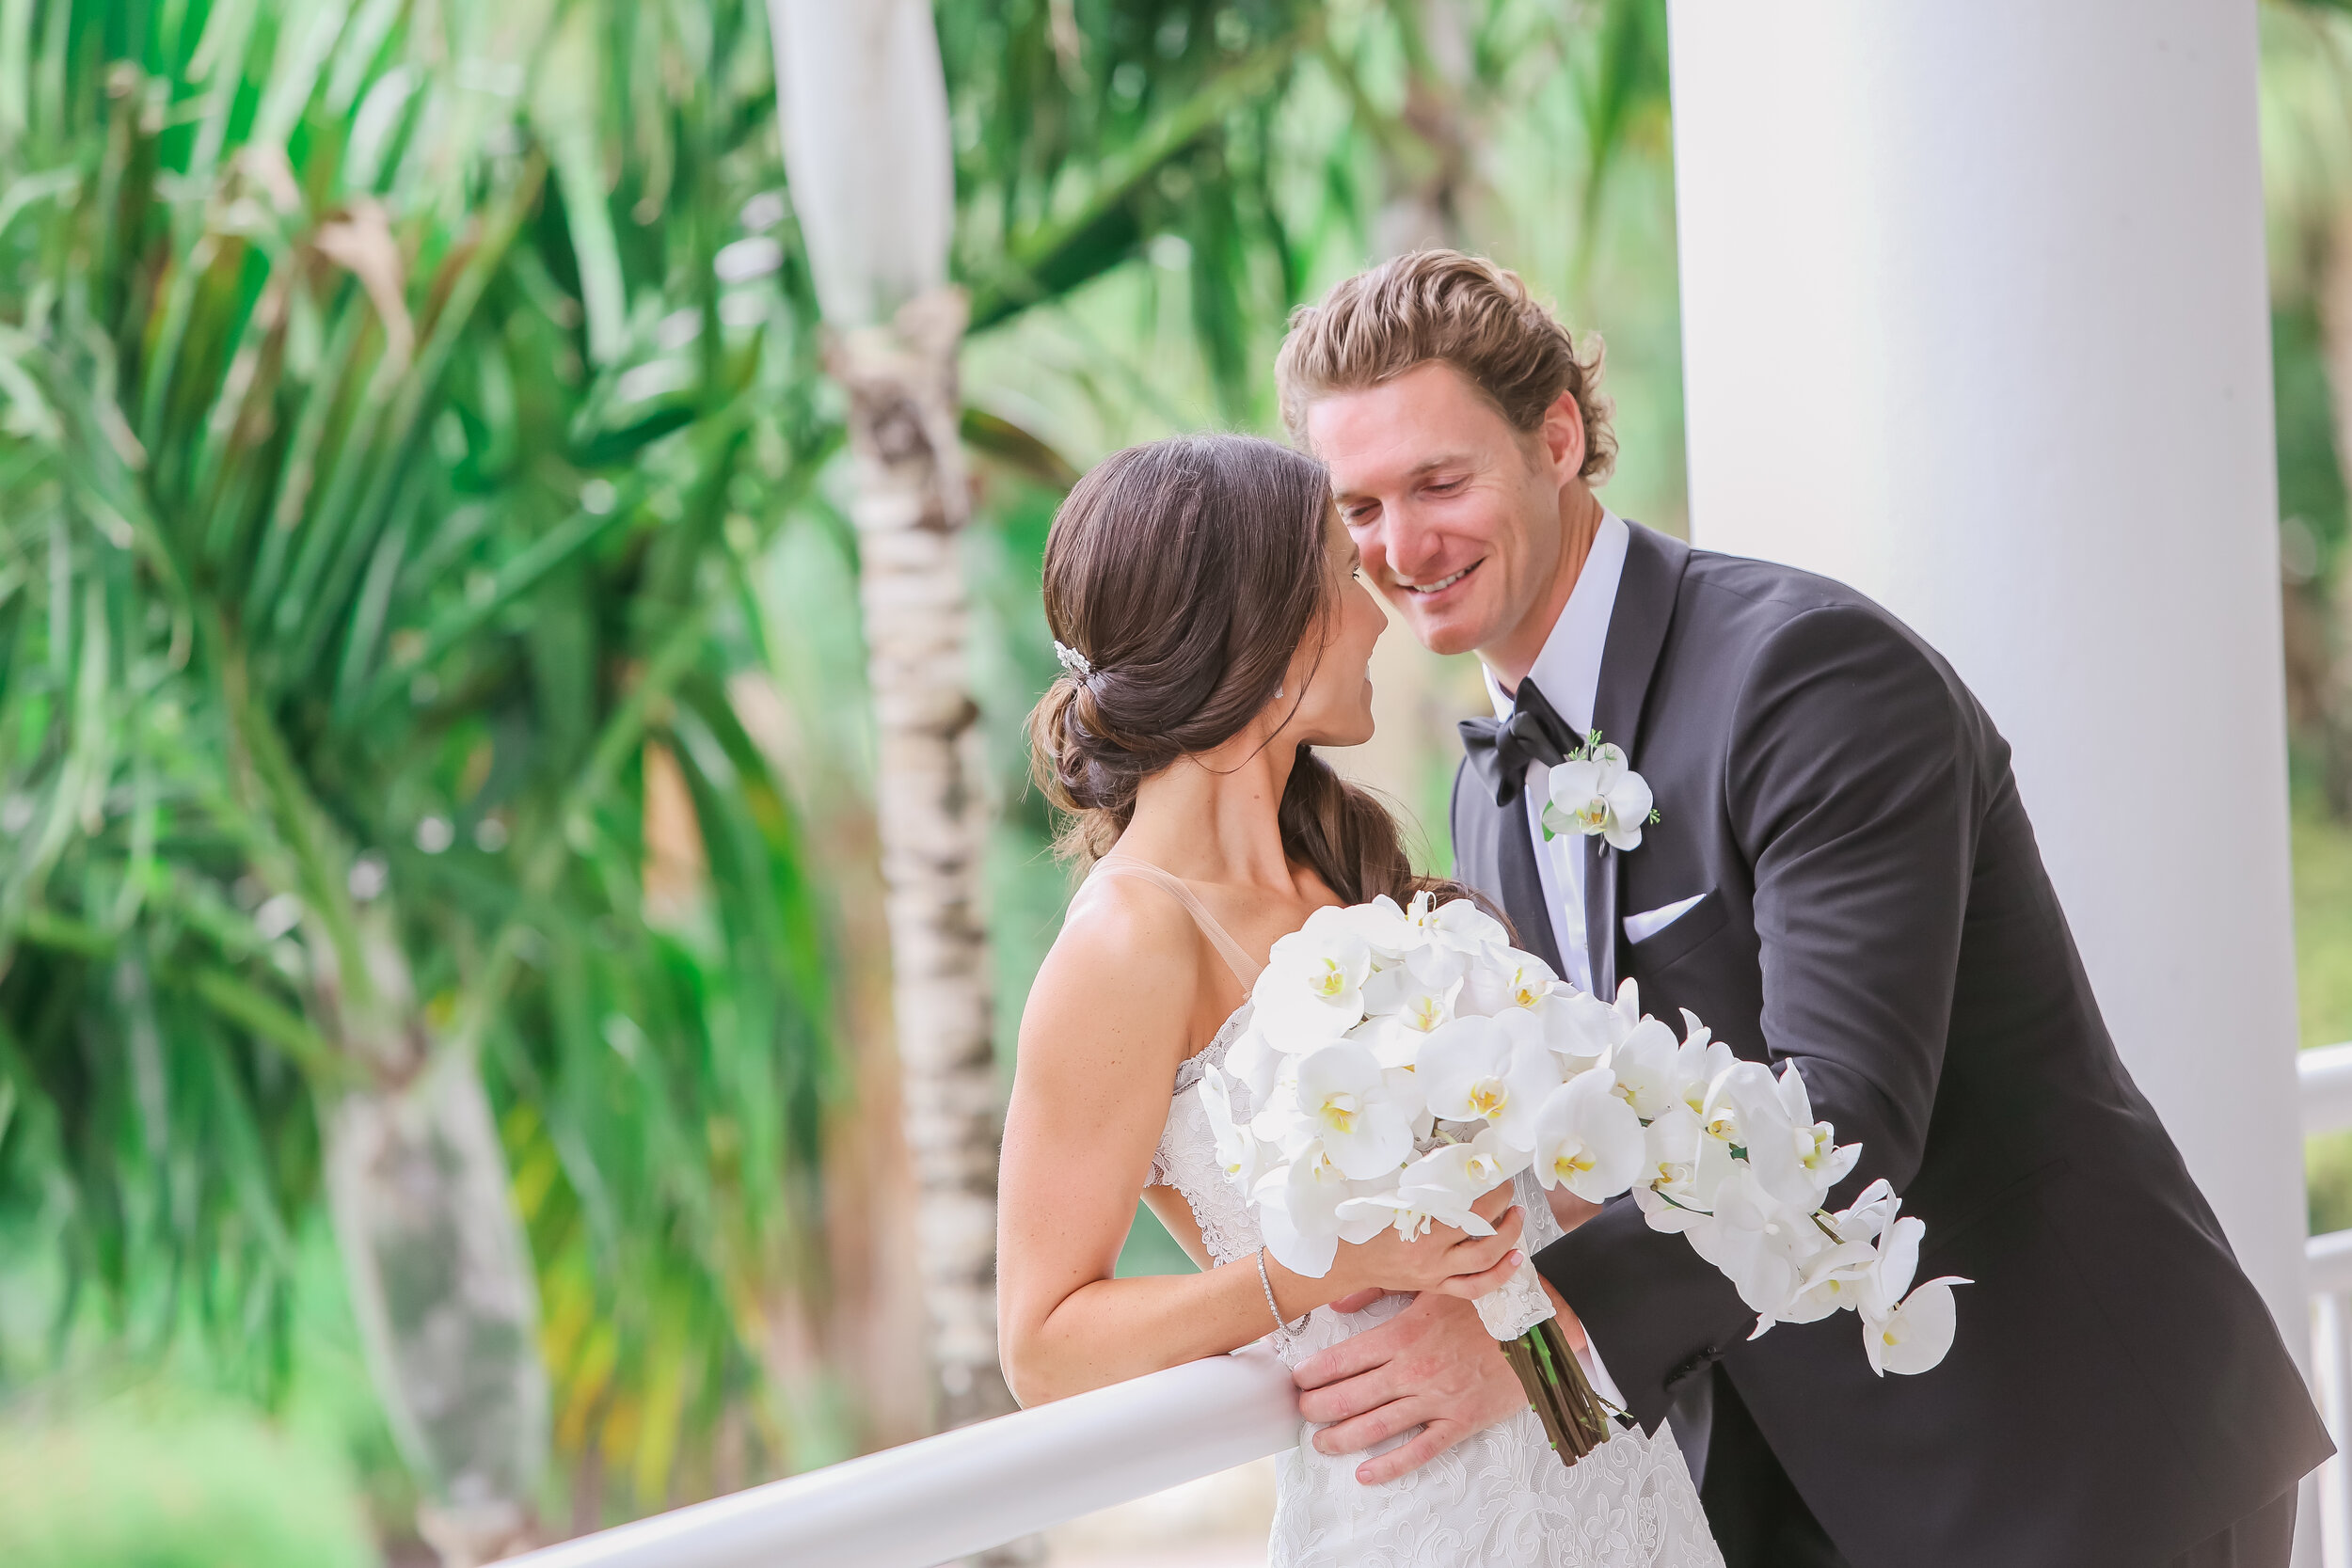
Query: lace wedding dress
1501,1497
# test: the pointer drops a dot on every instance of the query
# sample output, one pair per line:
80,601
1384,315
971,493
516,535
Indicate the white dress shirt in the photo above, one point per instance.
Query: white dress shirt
1568,671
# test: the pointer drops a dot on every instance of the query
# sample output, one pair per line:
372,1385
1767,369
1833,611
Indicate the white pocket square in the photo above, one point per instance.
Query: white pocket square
1641,928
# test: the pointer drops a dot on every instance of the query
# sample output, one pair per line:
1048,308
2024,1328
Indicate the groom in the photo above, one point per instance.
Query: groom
1841,875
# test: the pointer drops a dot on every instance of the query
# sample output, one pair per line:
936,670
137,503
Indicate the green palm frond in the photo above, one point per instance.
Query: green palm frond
1081,139
377,477
1621,94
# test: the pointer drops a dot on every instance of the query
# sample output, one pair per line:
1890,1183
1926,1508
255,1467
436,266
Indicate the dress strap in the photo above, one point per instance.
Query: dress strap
1236,957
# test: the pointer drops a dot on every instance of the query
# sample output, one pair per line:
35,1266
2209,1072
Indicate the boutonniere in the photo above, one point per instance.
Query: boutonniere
1594,791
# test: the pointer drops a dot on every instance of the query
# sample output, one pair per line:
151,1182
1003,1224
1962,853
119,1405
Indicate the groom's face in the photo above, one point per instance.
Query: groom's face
1456,513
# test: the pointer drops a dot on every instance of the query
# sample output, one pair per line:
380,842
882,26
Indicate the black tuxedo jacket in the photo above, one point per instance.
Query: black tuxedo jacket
1873,908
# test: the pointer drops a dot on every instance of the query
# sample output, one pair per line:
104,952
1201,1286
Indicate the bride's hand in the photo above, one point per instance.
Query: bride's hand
1444,1260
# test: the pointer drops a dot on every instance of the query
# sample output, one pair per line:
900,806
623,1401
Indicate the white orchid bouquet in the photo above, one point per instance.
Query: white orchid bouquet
1400,1062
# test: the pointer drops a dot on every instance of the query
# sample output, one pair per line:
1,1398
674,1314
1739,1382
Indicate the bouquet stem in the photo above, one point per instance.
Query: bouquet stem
1556,1386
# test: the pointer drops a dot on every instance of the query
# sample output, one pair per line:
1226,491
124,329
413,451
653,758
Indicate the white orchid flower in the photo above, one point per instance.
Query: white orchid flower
1455,923
1508,978
1239,1151
1871,1264
1588,1140
1345,1101
1312,990
1825,1159
1667,1193
1297,1208
1454,935
1491,1162
1669,1218
1598,795
1402,1088
1582,1028
1438,1188
1719,1115
1393,1041
1893,1262
1405,1012
1434,965
1781,1153
1278,1120
1496,1070
1715,1162
1699,1062
1687,1159
1872,1211
1904,1332
1382,926
1839,1274
1401,994
1762,1245
1831,1281
1624,1012
1917,1335
1254,1064
1644,1063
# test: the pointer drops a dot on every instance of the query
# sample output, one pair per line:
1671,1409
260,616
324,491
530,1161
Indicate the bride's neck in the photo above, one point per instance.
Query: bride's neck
1215,817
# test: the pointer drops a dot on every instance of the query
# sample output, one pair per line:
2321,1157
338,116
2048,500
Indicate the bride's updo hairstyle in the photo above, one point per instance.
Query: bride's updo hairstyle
1181,576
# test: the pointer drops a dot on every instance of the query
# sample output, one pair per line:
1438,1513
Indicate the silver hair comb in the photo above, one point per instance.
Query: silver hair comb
1073,661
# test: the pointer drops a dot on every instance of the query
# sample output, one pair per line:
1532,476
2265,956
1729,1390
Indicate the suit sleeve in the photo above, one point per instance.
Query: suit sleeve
1851,788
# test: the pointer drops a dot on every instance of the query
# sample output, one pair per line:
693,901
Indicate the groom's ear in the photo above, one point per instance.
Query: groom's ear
1561,437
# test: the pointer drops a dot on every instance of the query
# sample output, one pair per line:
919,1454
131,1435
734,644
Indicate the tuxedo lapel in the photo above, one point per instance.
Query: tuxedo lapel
1521,887
1637,632
1600,914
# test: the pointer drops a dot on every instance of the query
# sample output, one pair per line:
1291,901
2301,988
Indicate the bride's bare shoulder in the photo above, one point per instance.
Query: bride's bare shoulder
1127,961
1123,925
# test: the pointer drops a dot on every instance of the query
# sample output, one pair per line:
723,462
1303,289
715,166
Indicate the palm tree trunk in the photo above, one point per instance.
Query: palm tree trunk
1425,174
441,1284
440,1272
910,509
1425,160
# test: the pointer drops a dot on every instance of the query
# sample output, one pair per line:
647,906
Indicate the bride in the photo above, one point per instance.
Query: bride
1214,628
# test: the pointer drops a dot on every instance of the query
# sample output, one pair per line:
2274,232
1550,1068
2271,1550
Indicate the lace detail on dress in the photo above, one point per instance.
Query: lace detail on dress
1499,1497
1186,1158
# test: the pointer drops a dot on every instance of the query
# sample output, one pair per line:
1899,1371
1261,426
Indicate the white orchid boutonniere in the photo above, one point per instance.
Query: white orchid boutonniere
1595,791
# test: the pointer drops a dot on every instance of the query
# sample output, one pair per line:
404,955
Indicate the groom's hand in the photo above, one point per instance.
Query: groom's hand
1433,1365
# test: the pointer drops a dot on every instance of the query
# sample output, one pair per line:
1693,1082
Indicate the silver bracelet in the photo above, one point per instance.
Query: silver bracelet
1267,1286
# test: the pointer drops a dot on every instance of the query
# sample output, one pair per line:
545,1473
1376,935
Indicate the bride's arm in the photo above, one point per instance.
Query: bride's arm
1107,1022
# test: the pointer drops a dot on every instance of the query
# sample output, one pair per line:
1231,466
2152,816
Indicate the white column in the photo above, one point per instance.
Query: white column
1973,319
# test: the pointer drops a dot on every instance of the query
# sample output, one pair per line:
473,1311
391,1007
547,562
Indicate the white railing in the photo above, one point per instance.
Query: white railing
975,1487
2325,1083
2327,1087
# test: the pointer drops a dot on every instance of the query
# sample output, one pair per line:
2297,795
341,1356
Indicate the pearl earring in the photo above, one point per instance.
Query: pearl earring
1278,691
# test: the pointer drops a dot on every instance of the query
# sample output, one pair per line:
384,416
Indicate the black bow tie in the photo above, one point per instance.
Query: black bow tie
1500,749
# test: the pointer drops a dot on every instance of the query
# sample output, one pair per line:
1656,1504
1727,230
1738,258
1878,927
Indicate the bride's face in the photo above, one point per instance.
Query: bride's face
1331,674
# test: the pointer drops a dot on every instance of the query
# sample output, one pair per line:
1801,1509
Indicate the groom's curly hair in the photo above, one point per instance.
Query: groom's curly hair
1461,310
1184,576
